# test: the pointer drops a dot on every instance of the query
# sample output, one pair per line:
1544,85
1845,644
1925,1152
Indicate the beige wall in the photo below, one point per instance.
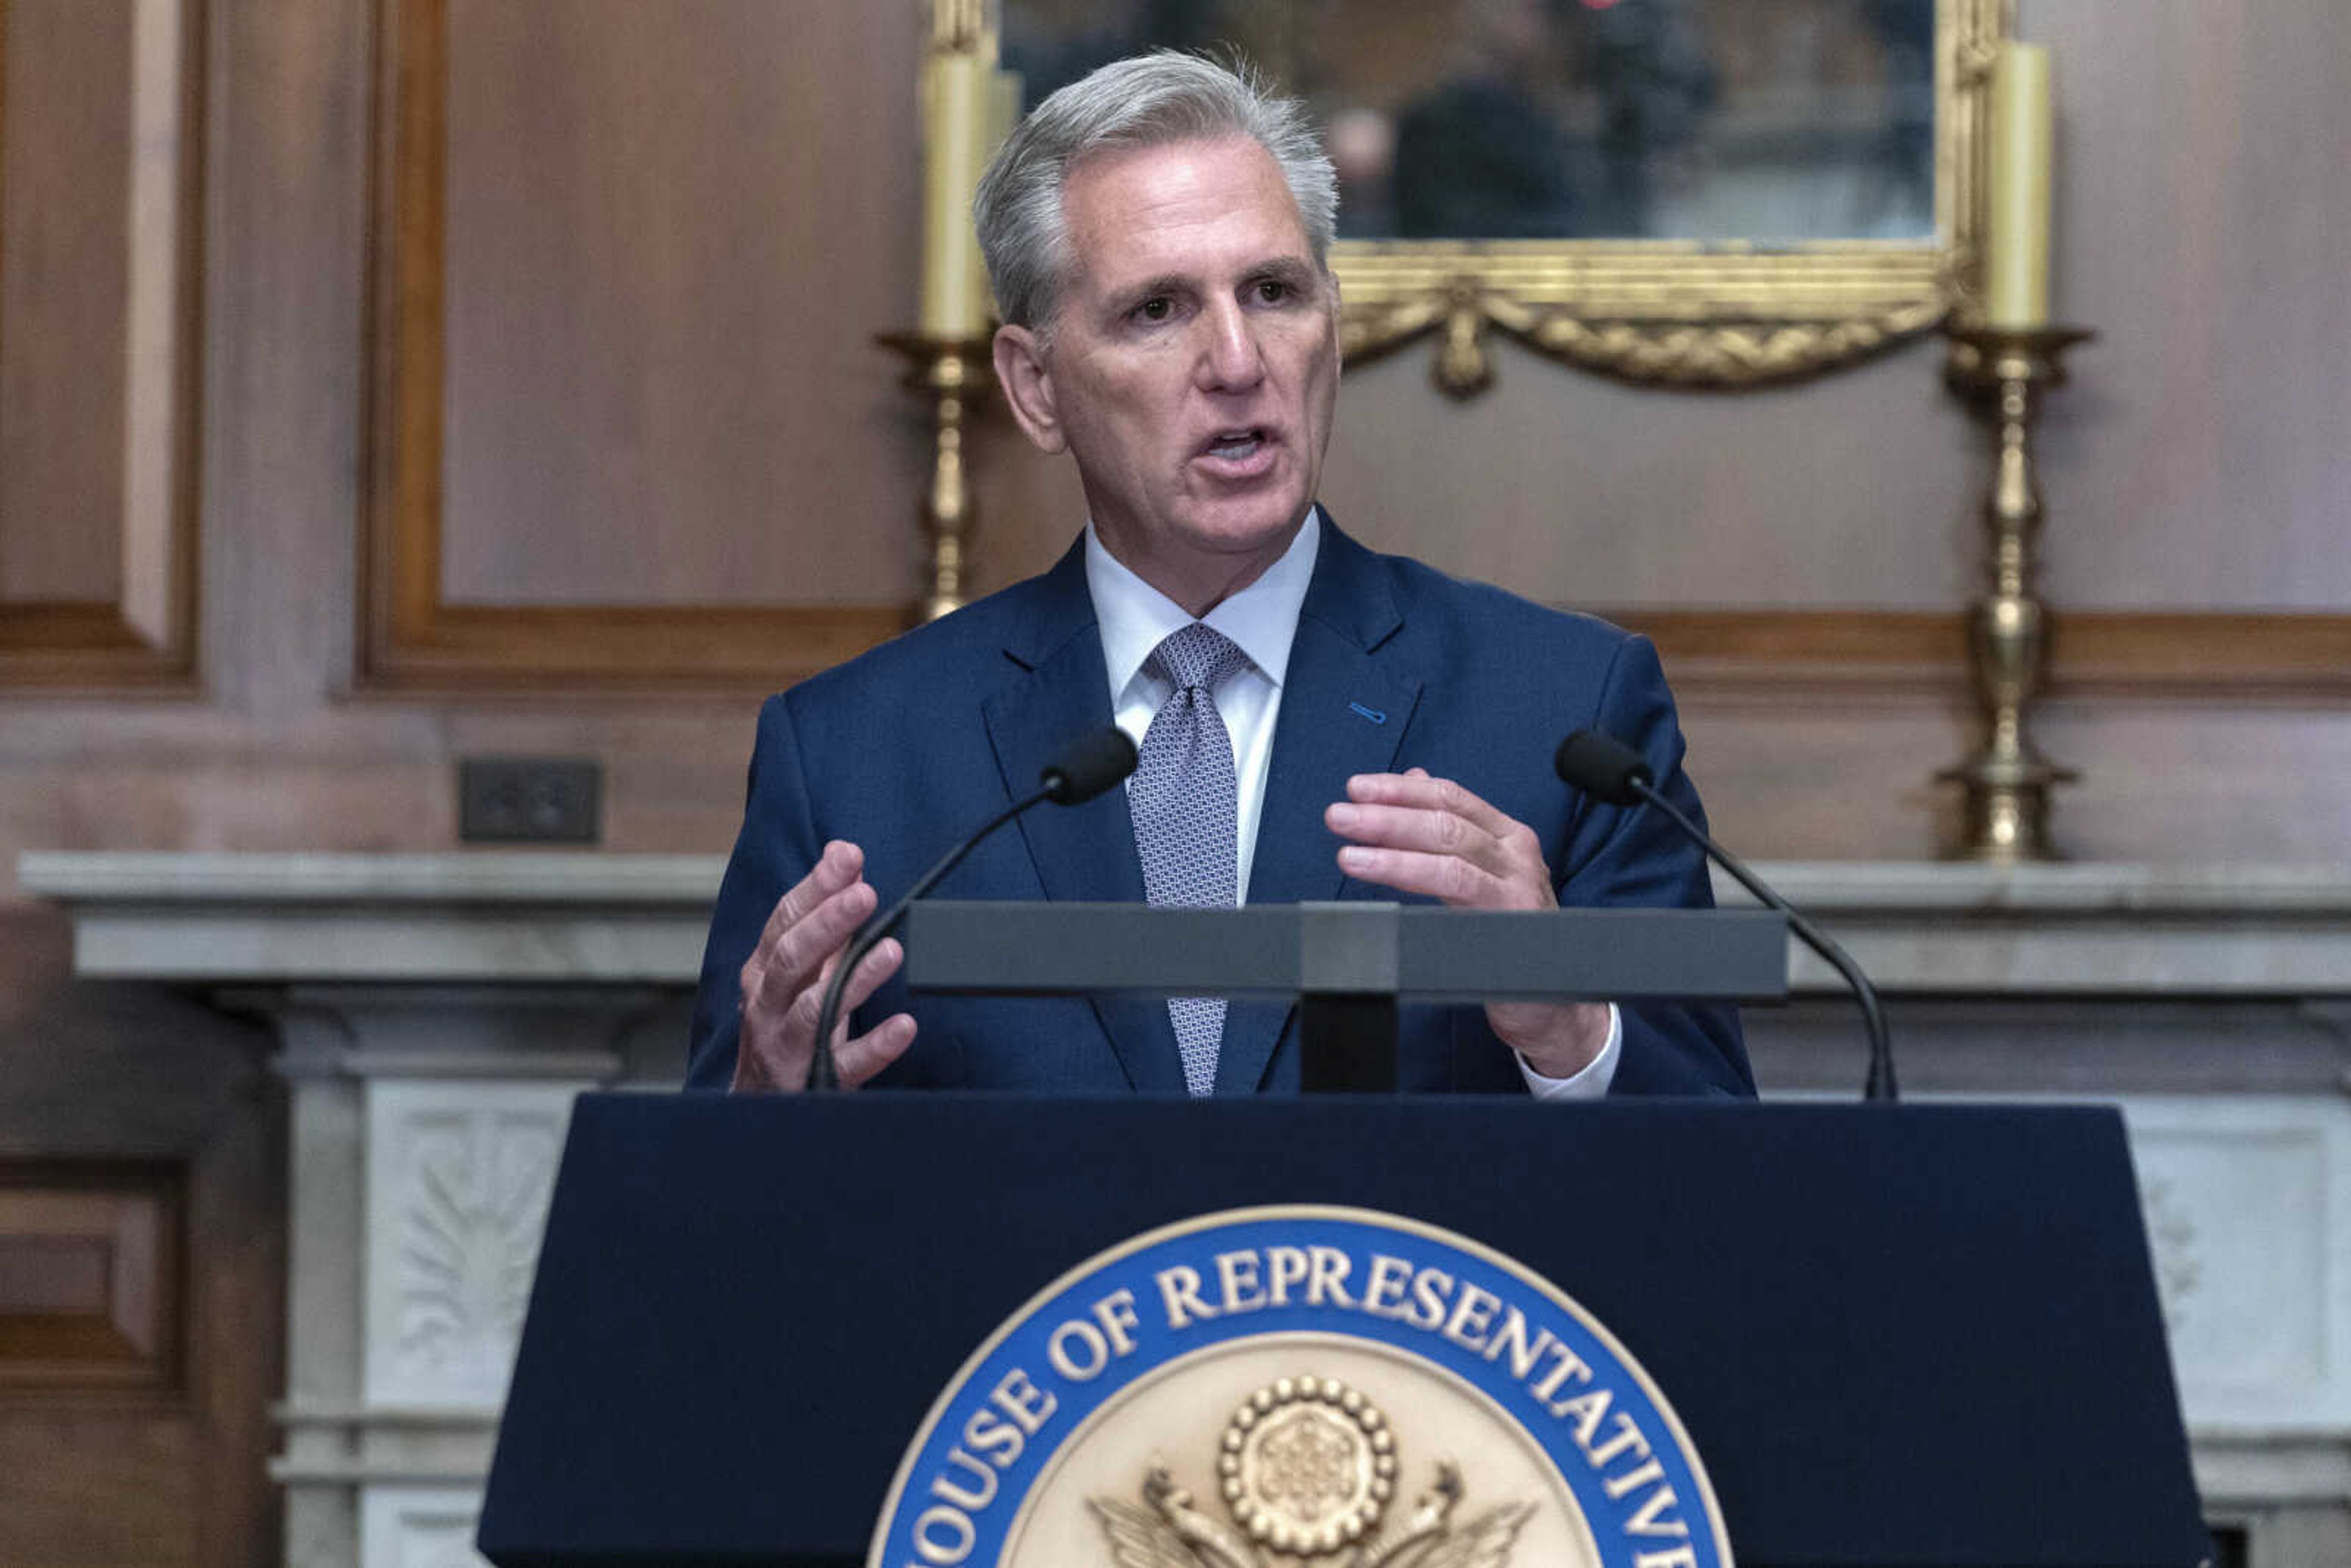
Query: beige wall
684,407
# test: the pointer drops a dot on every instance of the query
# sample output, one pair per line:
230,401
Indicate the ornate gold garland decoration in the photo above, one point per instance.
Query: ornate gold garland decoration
1719,354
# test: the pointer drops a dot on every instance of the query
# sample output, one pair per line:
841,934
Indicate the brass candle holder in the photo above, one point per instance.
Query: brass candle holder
2004,372
955,373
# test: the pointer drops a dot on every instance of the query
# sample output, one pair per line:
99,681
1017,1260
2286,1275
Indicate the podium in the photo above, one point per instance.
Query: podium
1347,963
1896,1335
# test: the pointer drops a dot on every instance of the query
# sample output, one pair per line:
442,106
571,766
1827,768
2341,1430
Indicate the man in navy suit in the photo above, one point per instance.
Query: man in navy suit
1157,236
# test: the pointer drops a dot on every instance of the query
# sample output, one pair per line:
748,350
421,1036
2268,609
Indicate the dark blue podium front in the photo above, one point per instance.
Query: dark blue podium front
1912,1336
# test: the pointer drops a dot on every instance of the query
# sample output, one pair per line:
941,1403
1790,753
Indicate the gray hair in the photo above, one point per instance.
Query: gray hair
1150,100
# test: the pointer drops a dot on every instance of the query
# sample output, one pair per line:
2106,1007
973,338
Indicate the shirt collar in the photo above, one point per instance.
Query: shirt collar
1261,619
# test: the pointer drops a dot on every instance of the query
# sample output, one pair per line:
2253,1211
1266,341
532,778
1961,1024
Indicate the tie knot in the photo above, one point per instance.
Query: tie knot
1197,656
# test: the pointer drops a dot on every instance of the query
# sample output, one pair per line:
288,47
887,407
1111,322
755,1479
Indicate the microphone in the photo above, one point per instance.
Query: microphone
1086,768
1614,773
1083,769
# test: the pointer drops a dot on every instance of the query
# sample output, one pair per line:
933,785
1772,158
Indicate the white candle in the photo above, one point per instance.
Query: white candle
961,107
2016,239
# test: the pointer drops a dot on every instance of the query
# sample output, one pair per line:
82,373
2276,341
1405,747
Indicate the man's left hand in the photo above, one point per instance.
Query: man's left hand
1430,836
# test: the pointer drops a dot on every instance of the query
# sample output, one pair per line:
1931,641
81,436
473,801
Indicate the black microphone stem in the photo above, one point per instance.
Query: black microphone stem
822,1073
1880,1085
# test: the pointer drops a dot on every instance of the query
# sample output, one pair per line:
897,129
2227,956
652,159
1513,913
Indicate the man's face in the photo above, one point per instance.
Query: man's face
1193,366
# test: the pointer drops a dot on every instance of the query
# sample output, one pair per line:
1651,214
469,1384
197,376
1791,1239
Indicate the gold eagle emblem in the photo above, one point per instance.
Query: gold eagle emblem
1306,1467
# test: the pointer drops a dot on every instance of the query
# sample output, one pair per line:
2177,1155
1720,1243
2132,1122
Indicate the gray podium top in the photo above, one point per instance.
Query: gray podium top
1420,953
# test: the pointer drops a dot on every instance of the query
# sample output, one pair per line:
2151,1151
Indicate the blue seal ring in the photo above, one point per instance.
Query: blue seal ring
1429,1295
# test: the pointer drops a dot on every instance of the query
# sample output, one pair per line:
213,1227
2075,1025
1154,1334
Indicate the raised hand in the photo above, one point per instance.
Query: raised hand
1431,836
784,979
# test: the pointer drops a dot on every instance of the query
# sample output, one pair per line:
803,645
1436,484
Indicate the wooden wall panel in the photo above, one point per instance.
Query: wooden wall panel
2203,458
89,1284
2209,783
1592,493
622,357
93,1494
652,253
99,277
64,275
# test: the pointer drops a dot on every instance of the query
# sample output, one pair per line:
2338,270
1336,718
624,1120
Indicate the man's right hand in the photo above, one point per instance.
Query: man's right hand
784,980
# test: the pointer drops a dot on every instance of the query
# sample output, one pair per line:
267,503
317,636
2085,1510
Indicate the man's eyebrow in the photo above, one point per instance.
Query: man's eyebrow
1292,274
1285,269
1151,288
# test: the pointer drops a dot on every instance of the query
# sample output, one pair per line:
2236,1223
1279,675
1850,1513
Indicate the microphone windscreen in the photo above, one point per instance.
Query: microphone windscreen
1088,765
1603,767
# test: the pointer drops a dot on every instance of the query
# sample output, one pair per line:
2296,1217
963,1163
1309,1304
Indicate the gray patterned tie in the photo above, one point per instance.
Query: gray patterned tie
1186,809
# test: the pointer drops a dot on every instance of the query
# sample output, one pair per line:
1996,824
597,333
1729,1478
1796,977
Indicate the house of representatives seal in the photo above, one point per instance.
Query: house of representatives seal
1301,1387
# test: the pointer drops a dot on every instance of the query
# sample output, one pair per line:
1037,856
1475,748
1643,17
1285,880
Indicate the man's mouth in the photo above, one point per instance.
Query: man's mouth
1241,451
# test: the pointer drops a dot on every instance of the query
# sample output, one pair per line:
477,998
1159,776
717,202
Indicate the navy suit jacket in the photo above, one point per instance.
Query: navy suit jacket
1394,665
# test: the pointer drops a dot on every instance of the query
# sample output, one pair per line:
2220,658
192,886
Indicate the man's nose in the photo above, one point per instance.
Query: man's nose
1232,360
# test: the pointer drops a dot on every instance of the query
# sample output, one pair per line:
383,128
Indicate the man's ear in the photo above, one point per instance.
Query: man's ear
1338,318
1029,388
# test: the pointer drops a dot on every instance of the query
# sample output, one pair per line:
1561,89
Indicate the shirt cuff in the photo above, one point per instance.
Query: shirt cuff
1593,1081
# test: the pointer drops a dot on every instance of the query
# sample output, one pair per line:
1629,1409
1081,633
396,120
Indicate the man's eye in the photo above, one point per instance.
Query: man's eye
1273,290
1154,311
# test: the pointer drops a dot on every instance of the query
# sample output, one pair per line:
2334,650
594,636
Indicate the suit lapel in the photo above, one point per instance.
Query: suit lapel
1345,709
1081,853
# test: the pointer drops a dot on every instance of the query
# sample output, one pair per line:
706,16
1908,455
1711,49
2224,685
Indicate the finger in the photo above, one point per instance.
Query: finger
1414,828
872,970
774,977
1416,789
802,1006
840,864
1516,854
1449,878
778,1025
809,944
860,1058
785,1070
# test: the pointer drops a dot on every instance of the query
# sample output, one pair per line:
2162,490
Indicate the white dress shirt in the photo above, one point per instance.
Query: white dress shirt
1134,618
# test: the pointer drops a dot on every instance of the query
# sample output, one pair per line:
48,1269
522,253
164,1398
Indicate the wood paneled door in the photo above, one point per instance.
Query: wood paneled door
141,1272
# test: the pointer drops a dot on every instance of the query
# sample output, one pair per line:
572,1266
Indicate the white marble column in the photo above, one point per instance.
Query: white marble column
427,1123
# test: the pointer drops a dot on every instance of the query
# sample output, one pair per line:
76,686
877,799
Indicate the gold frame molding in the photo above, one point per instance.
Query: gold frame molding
143,642
410,639
1685,314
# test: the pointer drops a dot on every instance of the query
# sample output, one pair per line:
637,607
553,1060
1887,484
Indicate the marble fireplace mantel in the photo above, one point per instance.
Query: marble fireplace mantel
437,1014
580,918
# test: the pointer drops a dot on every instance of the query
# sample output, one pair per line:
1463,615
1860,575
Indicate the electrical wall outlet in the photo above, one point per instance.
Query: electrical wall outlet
530,801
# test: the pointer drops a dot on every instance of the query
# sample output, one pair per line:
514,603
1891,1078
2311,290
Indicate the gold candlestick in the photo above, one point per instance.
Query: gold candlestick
2004,372
955,373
